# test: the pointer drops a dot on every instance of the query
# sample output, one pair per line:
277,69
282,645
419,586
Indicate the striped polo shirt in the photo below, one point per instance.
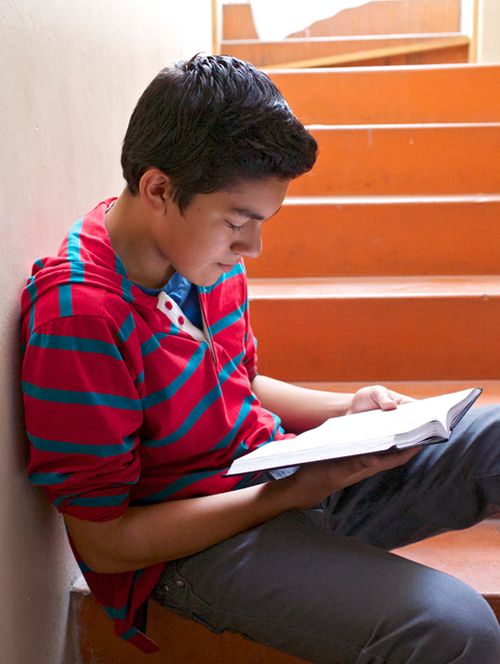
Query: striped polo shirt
127,402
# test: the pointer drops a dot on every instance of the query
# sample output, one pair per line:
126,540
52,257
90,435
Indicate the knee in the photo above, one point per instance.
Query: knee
455,624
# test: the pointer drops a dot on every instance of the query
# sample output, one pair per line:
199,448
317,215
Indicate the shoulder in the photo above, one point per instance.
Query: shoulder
77,307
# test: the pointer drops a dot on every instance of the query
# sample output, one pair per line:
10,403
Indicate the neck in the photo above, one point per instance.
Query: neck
130,233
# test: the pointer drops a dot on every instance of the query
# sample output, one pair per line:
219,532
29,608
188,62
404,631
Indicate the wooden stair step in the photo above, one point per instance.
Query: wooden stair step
472,555
180,639
369,95
415,388
322,51
381,235
356,328
403,160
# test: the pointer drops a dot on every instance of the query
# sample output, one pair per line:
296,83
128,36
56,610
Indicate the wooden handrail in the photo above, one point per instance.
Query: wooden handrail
372,54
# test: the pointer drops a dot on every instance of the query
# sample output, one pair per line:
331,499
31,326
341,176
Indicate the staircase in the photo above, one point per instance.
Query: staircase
383,266
394,32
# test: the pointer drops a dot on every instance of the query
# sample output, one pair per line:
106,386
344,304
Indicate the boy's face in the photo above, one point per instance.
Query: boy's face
216,230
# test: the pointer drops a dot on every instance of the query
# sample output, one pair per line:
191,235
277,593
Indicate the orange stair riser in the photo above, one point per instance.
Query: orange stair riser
375,339
380,239
180,640
288,50
396,160
399,95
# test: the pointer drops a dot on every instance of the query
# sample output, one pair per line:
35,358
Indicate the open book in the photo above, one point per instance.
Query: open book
414,423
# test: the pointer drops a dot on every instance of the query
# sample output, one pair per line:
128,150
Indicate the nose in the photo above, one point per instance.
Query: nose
250,242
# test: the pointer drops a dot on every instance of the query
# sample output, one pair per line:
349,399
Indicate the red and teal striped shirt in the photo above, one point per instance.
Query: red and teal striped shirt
126,402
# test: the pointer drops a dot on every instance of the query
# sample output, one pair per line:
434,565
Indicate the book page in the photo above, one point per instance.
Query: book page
364,432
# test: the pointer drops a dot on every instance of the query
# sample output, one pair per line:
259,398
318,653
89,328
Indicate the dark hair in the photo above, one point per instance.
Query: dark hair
210,122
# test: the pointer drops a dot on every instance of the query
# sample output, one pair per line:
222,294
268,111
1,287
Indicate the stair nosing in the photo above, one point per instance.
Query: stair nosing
375,287
385,199
347,38
385,68
401,126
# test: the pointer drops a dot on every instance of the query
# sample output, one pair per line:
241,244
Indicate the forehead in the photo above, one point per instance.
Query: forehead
255,199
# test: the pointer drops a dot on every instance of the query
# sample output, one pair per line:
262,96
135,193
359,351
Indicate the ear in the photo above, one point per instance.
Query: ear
155,190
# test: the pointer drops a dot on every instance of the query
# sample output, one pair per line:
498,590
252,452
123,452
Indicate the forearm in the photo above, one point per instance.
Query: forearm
165,531
299,408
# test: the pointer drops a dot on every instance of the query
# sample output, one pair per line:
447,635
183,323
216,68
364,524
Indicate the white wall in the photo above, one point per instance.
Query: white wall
488,47
70,74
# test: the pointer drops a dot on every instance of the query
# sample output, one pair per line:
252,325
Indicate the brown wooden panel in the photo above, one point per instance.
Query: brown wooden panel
375,338
181,640
262,53
406,159
420,390
357,238
454,93
237,21
449,50
471,555
434,56
388,17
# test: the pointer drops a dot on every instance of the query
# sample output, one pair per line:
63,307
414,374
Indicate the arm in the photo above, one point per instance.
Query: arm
144,536
302,408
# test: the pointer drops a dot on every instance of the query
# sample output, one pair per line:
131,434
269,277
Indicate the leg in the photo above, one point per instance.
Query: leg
294,585
445,487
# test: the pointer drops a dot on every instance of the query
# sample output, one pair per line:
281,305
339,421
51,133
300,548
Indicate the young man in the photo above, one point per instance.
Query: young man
141,387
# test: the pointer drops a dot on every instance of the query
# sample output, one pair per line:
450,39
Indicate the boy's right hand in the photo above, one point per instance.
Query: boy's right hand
315,481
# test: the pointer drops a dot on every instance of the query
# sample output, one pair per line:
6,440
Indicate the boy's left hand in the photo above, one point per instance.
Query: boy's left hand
376,396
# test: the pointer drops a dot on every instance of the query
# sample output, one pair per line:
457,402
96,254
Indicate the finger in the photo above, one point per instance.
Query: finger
399,457
384,398
401,398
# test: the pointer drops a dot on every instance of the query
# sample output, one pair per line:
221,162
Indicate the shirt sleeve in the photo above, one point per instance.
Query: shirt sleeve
83,413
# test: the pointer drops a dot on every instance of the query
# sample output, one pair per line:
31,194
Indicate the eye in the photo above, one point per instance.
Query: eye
233,227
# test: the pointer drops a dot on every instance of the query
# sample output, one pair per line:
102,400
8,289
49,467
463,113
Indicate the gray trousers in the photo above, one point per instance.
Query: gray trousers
321,584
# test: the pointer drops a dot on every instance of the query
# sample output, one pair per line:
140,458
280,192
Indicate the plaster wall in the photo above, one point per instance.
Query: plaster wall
488,31
70,74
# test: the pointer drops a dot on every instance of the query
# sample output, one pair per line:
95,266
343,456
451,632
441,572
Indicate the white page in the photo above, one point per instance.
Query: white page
349,435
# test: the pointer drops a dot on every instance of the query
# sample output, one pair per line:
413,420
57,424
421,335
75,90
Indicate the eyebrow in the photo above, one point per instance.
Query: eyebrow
245,212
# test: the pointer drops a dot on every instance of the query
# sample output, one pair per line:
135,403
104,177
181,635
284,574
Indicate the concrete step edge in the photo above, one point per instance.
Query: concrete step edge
384,199
385,70
380,126
387,287
431,36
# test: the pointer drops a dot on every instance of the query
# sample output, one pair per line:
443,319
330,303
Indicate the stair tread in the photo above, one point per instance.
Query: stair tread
384,70
384,199
472,555
417,389
349,38
395,126
375,286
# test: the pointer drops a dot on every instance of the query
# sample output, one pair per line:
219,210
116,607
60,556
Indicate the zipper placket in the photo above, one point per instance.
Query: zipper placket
206,327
